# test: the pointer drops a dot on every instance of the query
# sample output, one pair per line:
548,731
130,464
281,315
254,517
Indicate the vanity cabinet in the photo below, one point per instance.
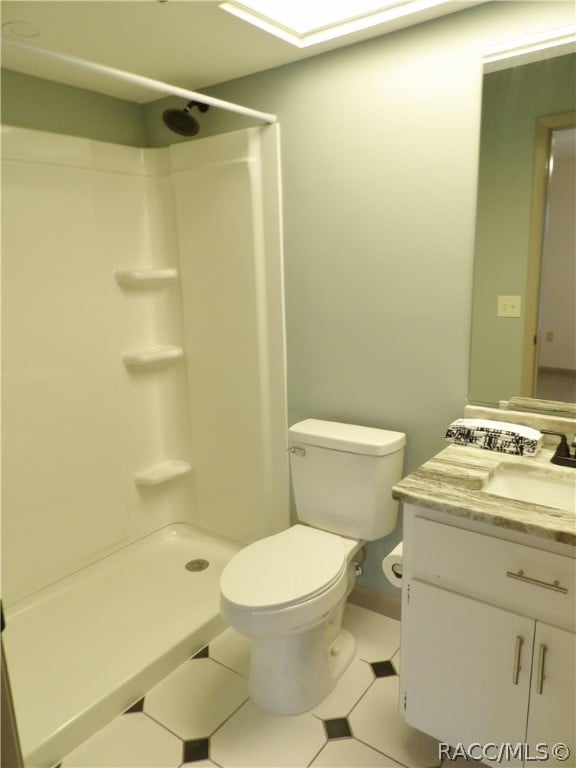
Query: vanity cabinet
552,715
488,638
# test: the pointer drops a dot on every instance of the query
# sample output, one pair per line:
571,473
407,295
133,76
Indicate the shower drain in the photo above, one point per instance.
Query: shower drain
197,565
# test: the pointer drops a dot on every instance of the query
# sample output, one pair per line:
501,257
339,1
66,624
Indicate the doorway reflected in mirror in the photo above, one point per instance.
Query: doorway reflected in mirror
556,335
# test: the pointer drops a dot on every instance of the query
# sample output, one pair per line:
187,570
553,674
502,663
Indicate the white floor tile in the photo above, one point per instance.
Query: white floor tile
343,753
232,650
354,682
207,697
129,741
252,738
377,636
376,721
196,698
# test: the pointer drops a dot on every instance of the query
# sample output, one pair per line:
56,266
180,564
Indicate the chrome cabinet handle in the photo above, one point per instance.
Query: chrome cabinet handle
521,576
517,652
541,658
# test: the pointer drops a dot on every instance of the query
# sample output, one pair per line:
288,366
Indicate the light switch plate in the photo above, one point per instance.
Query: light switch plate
509,306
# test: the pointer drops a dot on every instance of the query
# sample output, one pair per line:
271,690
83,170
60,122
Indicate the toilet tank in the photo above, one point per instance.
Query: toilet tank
342,477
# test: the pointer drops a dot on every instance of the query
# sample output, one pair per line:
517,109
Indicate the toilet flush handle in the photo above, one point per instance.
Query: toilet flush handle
298,451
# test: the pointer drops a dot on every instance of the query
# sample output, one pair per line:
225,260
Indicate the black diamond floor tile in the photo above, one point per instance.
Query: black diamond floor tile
196,750
383,668
137,707
337,728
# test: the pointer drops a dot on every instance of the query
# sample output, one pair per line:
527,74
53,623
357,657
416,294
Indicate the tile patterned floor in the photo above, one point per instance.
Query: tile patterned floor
200,715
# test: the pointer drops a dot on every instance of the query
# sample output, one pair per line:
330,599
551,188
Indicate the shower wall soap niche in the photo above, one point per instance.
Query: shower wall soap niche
148,277
162,472
153,356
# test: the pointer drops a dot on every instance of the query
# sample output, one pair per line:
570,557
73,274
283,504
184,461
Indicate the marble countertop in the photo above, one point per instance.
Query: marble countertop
452,481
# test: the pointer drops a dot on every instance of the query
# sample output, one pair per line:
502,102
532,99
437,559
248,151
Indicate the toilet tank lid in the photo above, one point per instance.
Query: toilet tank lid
347,437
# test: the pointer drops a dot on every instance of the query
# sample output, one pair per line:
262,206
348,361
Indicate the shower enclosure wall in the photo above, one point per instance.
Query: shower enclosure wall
144,378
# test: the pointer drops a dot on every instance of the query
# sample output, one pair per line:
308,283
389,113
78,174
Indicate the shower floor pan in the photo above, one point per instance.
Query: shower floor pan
86,648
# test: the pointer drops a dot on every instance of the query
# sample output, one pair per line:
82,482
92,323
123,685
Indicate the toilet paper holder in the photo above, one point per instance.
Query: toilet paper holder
392,565
397,570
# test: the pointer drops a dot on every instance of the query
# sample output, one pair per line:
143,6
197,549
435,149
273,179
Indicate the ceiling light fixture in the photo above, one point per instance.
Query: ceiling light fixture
303,23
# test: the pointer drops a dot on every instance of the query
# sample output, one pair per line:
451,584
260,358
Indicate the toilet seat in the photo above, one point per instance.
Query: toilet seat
285,569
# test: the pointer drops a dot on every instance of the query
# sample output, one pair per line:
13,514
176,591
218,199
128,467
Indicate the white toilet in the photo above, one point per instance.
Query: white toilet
287,591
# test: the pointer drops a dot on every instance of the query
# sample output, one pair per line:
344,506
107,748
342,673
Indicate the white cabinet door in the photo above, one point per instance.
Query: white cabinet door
465,668
552,718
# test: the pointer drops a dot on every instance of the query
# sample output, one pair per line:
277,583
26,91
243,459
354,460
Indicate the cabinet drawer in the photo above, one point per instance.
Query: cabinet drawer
503,573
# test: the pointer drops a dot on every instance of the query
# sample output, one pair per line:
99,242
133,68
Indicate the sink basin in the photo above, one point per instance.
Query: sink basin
533,486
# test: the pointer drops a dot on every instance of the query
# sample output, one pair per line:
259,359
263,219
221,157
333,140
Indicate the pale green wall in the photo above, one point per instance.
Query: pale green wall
513,100
42,105
378,264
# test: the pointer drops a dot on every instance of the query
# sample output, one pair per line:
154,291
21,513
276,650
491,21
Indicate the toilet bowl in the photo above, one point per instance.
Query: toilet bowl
287,592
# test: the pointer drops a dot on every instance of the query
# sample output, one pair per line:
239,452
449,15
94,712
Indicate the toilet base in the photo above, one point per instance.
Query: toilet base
290,675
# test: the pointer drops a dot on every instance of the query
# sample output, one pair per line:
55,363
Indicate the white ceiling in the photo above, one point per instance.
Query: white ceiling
187,43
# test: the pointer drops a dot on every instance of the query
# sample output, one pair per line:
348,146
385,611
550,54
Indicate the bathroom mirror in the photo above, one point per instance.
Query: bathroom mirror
526,185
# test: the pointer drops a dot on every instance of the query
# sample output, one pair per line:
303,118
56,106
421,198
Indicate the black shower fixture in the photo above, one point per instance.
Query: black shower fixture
181,121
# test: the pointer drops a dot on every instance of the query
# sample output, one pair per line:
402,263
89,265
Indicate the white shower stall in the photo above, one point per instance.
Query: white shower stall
144,414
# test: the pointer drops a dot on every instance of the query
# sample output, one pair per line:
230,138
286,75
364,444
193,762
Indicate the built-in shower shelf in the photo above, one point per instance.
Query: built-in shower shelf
153,356
162,472
147,277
